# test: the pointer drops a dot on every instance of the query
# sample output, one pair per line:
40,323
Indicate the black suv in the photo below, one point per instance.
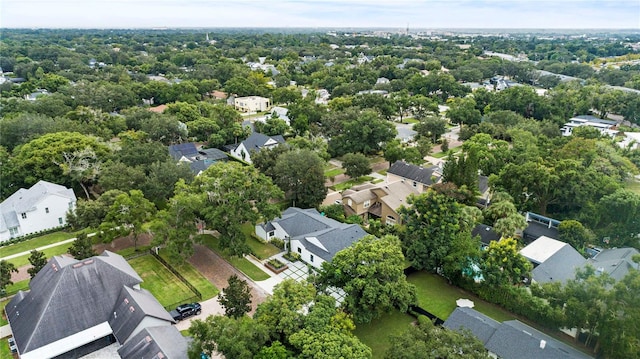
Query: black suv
185,311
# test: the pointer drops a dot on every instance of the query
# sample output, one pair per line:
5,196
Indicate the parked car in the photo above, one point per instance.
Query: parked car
185,311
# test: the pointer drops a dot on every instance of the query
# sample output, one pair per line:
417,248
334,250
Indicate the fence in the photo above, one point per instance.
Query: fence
177,274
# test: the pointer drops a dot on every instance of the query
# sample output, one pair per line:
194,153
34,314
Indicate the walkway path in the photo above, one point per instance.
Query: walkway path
44,247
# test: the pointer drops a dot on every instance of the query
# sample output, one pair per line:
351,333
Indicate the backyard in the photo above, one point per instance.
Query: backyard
37,242
377,333
241,263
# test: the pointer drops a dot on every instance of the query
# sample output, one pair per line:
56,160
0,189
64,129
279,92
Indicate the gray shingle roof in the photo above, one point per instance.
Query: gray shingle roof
617,262
486,233
213,154
413,172
131,308
560,267
301,224
183,149
477,323
257,140
68,296
150,341
535,230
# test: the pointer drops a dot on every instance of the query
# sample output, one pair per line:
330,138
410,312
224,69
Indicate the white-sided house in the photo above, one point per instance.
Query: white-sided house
42,207
255,143
313,236
75,308
251,104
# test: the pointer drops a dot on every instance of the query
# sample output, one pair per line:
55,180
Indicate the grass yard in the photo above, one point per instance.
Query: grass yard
206,288
333,172
37,242
49,252
377,333
438,297
5,352
410,120
352,182
633,185
259,249
240,263
158,280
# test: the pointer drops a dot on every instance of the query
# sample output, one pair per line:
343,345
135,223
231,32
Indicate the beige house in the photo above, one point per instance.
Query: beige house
252,104
378,201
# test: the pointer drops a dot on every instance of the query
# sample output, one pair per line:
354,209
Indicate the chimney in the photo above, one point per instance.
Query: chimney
543,343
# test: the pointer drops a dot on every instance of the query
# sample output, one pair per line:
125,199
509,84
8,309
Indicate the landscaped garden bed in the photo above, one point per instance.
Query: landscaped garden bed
276,266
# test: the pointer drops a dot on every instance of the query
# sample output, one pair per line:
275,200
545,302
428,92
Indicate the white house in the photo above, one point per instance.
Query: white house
313,236
606,127
251,104
254,143
42,207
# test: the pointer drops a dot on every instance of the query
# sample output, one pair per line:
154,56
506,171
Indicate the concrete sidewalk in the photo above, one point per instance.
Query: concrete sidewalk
5,331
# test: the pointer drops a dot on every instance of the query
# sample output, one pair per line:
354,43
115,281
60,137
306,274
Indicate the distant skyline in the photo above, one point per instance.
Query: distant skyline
430,14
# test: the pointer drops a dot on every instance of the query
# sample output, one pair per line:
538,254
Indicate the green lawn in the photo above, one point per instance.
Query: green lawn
352,182
36,243
376,334
5,352
49,252
206,288
633,185
438,297
157,279
258,248
410,120
333,172
240,263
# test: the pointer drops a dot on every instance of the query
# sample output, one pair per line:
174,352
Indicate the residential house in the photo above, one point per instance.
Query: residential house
553,261
313,236
164,342
486,235
606,127
254,143
510,339
419,177
198,159
381,201
251,104
616,262
539,226
75,308
36,94
42,207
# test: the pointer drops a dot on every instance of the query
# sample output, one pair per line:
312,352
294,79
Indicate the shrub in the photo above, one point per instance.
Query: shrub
278,242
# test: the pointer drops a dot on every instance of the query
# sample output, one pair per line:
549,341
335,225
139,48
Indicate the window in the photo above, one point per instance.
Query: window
46,209
60,220
311,258
13,231
367,203
23,215
349,202
415,184
299,250
390,220
271,234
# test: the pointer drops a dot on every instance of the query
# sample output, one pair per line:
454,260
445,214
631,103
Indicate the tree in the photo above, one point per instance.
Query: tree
431,127
240,338
272,126
82,166
236,298
38,261
503,265
439,342
619,333
463,111
82,247
620,212
431,220
371,273
573,232
234,195
328,345
126,216
366,133
300,174
6,268
356,165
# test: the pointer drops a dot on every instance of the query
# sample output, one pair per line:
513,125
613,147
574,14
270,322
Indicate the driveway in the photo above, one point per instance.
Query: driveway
209,307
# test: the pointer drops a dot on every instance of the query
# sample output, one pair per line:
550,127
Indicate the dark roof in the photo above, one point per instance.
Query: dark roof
131,308
183,149
477,323
536,230
486,233
323,236
68,296
515,340
560,267
413,172
257,140
617,262
200,165
149,342
511,339
213,154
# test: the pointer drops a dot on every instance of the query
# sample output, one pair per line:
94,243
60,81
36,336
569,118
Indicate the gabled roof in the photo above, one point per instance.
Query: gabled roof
213,154
486,233
397,193
617,262
68,296
25,200
542,249
183,149
560,267
321,235
477,323
152,341
257,140
131,307
415,173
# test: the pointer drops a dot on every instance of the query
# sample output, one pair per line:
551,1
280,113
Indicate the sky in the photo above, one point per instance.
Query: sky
417,14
